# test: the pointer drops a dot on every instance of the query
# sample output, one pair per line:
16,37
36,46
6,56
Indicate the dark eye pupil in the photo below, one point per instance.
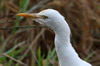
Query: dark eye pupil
44,17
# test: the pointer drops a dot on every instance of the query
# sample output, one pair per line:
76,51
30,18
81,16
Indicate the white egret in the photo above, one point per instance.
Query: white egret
53,19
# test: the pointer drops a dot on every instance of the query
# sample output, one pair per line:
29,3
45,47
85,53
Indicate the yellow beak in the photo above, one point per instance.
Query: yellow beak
30,15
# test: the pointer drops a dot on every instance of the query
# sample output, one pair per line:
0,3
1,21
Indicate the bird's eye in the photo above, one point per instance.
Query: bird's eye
44,17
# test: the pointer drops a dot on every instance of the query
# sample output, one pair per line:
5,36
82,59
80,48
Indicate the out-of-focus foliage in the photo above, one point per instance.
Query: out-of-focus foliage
26,43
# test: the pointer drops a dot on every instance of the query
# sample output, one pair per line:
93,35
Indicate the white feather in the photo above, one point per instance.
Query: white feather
66,54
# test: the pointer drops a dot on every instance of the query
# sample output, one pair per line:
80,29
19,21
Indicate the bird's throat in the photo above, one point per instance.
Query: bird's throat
65,51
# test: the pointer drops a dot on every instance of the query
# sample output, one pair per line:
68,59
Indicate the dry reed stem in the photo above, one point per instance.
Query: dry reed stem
83,16
4,54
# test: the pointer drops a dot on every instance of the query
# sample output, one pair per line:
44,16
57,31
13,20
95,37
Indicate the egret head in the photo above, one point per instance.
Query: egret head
49,17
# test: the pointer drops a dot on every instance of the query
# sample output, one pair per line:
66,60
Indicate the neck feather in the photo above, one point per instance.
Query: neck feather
65,51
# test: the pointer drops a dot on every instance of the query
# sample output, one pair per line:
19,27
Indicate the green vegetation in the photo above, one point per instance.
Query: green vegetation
30,46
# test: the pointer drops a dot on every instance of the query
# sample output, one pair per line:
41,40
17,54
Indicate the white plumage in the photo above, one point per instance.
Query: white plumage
66,54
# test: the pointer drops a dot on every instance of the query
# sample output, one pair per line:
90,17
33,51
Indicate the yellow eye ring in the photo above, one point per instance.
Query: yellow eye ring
44,17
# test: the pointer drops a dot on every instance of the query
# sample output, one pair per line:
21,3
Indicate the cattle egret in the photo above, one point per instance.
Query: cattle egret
67,55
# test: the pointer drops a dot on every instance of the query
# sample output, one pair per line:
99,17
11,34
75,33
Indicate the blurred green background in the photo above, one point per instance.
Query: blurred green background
24,42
